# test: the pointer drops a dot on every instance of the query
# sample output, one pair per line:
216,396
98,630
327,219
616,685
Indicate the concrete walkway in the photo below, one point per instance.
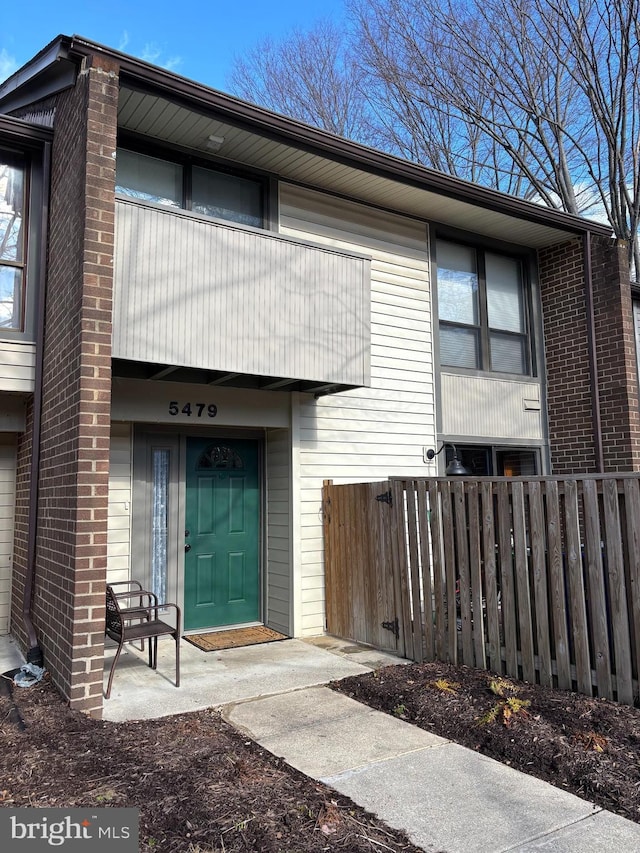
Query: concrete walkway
445,797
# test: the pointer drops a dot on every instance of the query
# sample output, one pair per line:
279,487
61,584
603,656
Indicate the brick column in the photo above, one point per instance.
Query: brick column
562,286
564,314
71,558
615,348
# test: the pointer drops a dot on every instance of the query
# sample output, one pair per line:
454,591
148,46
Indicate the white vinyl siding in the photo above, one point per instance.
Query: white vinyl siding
119,530
364,434
7,512
278,530
17,366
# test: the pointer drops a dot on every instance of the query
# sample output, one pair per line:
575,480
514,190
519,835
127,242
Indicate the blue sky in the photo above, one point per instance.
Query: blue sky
194,38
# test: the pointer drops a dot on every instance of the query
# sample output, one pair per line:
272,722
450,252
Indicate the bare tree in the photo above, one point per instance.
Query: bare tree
537,98
541,96
310,76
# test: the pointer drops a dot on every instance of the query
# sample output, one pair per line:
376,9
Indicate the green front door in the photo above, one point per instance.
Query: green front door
222,541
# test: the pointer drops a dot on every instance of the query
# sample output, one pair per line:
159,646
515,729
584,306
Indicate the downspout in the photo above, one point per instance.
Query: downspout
593,364
34,652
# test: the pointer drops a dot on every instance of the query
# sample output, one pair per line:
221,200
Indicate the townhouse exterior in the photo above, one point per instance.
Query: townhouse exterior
209,309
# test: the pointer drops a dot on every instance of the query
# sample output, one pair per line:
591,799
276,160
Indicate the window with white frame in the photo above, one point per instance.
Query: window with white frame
12,242
482,310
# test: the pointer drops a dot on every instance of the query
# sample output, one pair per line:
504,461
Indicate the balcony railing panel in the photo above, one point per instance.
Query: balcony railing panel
199,293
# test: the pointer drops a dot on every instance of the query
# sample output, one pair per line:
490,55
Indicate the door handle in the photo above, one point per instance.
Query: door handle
187,547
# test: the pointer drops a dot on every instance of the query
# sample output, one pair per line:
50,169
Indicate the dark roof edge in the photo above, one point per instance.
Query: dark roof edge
48,72
19,131
297,132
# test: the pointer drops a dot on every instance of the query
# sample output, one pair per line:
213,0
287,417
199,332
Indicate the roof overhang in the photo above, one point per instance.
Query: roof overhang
160,105
22,133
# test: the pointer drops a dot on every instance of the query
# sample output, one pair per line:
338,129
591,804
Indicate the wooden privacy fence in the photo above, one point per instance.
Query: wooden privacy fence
535,578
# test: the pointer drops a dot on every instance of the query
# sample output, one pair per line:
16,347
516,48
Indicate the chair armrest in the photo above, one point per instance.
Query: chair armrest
169,605
139,594
136,584
145,606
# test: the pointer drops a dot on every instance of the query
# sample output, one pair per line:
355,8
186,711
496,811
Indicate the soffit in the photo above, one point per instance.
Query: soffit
161,119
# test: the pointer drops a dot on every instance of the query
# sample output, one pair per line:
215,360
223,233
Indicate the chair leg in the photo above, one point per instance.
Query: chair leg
155,652
177,659
151,666
113,666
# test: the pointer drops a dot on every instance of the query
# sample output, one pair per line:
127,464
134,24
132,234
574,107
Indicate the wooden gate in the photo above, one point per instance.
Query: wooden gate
536,578
362,600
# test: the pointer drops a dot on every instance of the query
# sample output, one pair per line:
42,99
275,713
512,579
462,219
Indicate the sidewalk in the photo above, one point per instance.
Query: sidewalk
445,797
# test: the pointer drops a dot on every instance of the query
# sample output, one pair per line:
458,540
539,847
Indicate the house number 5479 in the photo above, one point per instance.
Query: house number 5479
196,410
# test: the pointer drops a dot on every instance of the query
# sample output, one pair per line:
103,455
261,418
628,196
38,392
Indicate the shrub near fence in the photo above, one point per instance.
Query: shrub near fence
536,578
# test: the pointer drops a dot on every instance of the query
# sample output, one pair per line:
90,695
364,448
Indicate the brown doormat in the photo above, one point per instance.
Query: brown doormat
217,640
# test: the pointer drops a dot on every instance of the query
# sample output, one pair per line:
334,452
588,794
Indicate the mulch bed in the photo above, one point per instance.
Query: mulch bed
201,786
590,747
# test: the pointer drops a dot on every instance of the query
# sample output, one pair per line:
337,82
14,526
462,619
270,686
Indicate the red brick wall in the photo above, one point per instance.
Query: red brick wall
21,528
71,558
564,315
569,397
615,347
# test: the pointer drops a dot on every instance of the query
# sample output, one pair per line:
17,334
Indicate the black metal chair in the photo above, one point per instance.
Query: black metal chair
139,622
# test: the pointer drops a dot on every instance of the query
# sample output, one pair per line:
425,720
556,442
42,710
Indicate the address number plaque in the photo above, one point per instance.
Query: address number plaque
193,410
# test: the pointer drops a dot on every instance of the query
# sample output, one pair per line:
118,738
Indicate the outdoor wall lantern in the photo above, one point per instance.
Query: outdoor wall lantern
455,468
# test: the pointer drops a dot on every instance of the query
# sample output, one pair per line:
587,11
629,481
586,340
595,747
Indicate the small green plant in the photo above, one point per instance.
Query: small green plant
502,686
400,710
508,706
445,685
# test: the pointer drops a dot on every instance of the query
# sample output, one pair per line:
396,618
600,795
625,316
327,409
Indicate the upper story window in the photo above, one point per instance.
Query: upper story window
482,308
12,242
190,187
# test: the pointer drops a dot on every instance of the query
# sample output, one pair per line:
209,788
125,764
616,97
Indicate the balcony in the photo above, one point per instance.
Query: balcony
191,292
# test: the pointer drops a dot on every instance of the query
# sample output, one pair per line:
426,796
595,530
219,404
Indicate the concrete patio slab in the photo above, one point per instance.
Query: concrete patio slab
210,679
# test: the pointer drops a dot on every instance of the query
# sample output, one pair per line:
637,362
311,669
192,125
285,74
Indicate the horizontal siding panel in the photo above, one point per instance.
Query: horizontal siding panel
419,359
351,441
379,431
315,596
376,401
406,306
364,421
390,336
118,549
278,533
314,211
395,320
315,581
119,512
17,354
312,624
17,367
287,308
118,564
